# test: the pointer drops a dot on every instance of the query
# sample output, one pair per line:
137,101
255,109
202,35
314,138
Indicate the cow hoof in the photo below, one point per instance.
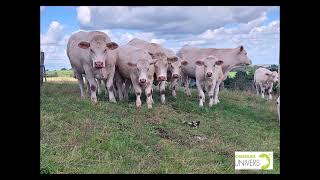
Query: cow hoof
149,106
113,101
94,102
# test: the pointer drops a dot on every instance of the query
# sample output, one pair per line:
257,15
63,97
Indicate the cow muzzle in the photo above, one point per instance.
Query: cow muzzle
162,78
142,81
209,74
175,76
98,64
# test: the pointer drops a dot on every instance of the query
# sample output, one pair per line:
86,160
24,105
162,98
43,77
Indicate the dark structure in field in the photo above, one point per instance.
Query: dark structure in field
42,68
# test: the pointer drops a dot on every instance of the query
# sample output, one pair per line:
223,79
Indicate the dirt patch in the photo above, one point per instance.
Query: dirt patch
188,140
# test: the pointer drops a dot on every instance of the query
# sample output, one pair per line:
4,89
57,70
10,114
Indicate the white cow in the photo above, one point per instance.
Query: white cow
135,66
160,54
90,53
207,73
263,81
231,57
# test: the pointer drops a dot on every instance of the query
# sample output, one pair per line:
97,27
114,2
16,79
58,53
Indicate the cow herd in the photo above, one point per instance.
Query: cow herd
138,65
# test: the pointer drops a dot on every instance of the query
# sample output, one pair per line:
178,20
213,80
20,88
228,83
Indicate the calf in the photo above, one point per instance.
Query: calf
134,66
231,57
263,81
208,72
174,70
157,53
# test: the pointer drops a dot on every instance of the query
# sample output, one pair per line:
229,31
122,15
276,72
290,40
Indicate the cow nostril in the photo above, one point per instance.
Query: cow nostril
142,80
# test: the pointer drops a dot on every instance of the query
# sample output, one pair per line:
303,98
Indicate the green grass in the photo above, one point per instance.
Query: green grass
78,137
60,73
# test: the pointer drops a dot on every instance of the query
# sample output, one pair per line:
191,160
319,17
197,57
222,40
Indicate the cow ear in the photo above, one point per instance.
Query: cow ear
172,59
219,62
184,63
84,45
152,55
132,64
112,45
153,61
241,48
199,63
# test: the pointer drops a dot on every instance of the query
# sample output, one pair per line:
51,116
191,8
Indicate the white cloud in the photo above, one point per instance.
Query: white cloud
159,41
166,20
54,34
83,15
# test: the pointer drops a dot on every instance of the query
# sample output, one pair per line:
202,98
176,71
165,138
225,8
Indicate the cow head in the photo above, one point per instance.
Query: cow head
241,57
174,66
273,76
161,65
98,48
209,63
142,68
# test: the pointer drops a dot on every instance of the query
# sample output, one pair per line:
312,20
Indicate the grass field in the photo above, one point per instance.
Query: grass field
78,137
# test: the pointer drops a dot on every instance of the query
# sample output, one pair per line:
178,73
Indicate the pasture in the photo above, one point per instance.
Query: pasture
78,137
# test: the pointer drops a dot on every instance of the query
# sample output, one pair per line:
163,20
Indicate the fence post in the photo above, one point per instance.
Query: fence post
41,67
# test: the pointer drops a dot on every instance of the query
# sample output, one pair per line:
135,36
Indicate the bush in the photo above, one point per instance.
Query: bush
62,69
243,80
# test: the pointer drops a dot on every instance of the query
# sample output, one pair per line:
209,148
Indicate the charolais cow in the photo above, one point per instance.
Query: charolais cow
90,53
231,57
135,66
207,72
263,81
157,52
174,70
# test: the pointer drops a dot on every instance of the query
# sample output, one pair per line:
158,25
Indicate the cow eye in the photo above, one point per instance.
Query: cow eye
105,51
91,51
205,65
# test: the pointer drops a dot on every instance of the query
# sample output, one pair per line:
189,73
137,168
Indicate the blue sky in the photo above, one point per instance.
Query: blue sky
257,28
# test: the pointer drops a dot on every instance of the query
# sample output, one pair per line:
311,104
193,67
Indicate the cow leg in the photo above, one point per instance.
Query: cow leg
137,90
126,90
201,94
216,93
81,85
110,88
262,89
93,89
99,85
210,94
257,88
162,86
148,92
270,91
119,83
185,80
174,83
